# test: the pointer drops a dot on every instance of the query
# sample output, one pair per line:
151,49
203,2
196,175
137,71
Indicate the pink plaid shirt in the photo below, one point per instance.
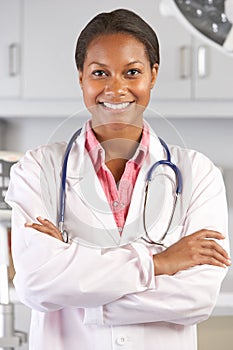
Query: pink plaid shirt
118,195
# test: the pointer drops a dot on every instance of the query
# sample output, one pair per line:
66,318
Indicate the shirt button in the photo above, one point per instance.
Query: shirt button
120,229
121,340
115,204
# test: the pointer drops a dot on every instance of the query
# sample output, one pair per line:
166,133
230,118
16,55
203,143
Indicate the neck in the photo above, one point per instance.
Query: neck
120,143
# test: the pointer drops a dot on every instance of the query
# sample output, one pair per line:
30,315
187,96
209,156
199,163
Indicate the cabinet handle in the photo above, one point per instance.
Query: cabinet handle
184,62
202,62
13,59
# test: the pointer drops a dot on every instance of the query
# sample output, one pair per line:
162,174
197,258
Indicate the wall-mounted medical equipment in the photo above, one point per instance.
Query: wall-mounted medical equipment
211,20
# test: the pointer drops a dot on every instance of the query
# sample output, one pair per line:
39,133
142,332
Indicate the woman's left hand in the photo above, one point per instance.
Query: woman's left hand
46,227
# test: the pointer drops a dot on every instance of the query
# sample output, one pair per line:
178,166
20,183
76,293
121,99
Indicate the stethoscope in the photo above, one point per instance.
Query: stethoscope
179,186
164,162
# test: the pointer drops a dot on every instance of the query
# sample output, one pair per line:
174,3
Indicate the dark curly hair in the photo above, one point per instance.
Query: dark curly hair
118,21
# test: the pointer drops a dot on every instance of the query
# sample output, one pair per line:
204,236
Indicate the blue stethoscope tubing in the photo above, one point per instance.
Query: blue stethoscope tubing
169,163
63,186
179,187
164,162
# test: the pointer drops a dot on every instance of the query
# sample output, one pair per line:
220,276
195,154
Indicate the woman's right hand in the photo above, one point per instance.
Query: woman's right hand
45,226
198,248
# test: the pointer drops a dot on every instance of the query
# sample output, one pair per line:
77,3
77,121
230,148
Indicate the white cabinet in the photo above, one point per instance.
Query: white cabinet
50,31
49,35
10,16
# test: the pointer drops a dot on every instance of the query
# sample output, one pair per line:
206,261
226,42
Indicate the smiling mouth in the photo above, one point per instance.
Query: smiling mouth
116,106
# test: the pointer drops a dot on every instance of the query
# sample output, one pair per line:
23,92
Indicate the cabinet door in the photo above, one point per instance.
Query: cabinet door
213,73
49,35
10,48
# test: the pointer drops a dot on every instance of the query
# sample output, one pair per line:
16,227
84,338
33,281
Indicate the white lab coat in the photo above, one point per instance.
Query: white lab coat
90,298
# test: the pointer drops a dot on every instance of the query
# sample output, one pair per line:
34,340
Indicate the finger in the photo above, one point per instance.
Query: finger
38,227
49,224
214,256
216,247
46,222
207,234
215,260
44,229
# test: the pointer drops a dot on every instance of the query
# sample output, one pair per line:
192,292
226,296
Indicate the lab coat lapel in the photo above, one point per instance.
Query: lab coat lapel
83,181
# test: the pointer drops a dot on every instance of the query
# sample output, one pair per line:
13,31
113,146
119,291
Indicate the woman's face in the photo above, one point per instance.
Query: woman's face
116,79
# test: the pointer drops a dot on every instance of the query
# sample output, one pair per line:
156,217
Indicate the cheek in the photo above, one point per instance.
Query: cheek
143,90
90,92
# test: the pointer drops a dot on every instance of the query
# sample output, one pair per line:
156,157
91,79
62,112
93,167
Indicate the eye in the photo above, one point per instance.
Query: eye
133,72
99,73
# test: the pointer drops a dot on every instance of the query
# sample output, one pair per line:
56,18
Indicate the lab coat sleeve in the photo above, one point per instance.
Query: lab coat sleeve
189,296
51,274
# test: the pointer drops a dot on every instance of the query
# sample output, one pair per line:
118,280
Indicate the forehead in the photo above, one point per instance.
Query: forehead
117,45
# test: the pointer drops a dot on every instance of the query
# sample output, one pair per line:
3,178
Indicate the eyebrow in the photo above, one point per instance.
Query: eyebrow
97,63
105,65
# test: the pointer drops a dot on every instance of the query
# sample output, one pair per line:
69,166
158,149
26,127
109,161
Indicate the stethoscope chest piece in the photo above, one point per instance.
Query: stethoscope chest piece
65,236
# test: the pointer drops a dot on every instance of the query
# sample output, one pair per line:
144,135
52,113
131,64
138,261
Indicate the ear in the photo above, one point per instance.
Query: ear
154,73
80,74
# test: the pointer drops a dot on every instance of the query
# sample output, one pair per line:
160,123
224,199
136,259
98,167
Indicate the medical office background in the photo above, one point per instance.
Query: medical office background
40,101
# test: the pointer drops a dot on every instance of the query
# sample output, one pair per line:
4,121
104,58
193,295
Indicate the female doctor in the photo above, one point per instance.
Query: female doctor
134,274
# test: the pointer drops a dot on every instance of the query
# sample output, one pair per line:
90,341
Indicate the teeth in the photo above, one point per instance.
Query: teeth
116,105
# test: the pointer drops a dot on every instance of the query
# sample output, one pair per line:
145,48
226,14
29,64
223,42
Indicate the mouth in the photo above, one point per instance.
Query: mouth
116,106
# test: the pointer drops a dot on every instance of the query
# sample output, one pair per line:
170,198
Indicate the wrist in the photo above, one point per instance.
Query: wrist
161,265
157,268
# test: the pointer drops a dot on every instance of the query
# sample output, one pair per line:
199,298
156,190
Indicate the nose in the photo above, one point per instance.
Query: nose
116,87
